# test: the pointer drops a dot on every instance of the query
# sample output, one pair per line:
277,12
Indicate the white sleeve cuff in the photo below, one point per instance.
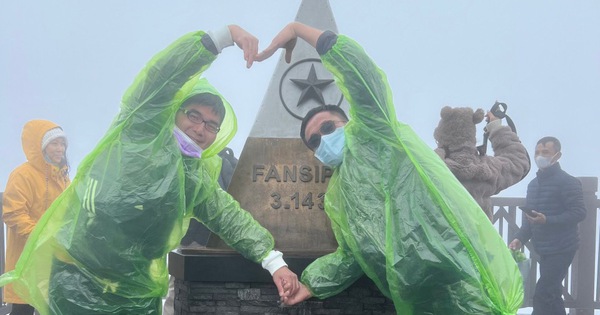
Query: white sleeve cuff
492,126
221,38
273,261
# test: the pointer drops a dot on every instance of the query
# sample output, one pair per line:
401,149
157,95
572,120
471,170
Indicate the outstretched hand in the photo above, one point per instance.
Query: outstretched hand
286,282
286,39
246,42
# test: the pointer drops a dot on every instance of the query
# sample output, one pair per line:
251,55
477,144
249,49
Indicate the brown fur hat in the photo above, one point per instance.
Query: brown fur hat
457,127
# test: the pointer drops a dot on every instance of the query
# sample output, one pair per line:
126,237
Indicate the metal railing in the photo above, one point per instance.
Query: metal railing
4,308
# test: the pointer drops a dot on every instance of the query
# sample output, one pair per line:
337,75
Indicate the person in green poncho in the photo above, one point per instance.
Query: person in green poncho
399,215
101,247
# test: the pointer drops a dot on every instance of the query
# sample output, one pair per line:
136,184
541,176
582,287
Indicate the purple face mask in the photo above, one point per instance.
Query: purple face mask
187,146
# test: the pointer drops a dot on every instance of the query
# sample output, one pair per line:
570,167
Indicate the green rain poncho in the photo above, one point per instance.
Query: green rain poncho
101,247
398,213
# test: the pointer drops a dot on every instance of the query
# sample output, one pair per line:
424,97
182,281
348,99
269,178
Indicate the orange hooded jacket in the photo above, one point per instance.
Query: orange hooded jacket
30,190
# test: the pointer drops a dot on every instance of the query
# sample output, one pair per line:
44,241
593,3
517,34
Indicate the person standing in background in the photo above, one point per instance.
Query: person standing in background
482,175
30,190
556,200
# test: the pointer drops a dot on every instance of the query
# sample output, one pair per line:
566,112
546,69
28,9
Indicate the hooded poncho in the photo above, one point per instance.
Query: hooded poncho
101,247
30,190
398,213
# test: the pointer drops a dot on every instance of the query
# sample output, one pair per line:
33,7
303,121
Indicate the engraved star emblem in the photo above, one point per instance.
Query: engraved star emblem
312,87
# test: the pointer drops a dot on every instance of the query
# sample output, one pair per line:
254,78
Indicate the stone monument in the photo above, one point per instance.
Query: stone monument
277,178
281,183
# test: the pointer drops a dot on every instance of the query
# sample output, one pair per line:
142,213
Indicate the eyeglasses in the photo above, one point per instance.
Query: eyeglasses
196,118
327,127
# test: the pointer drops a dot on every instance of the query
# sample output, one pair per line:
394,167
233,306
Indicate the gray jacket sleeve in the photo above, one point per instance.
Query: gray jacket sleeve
511,161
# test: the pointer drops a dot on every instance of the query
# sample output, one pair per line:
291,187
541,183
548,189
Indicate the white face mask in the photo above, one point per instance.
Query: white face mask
543,162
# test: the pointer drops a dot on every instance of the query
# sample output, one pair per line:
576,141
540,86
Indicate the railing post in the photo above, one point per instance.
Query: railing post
584,267
2,248
4,308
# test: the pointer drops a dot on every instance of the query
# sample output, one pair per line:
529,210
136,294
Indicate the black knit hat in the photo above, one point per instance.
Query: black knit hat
316,110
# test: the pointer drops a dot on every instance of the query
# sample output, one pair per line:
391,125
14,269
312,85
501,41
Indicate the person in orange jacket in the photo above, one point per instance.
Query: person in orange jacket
30,190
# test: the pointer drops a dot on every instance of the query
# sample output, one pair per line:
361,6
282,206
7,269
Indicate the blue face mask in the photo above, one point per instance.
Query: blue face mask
187,146
331,149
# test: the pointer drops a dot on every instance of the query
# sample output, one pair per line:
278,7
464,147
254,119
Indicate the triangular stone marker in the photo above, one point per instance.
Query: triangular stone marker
277,178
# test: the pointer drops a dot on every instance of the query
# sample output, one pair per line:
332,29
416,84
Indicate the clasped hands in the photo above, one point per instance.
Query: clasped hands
291,291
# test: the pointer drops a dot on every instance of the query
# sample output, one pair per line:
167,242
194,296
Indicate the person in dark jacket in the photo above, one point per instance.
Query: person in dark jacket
557,202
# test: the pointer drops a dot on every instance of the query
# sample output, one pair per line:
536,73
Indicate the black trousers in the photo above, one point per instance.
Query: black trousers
547,299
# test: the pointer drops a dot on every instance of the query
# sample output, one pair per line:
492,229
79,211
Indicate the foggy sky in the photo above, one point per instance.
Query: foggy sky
71,61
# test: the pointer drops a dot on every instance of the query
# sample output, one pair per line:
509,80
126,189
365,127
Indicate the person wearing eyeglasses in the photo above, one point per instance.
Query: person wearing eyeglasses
399,215
101,248
199,120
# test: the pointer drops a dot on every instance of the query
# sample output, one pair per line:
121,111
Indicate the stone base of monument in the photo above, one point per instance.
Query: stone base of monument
210,281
